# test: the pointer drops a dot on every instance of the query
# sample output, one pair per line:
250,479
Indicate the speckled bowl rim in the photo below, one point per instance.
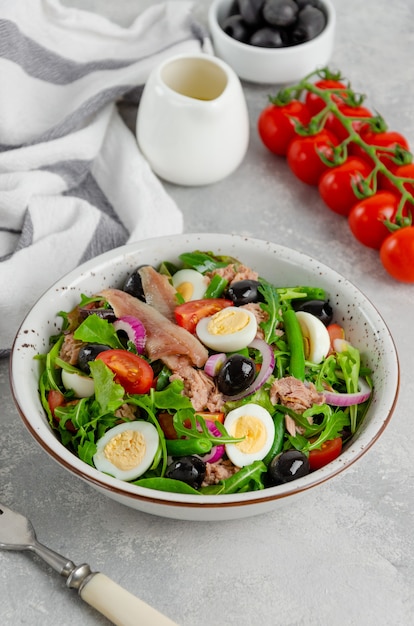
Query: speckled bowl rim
35,328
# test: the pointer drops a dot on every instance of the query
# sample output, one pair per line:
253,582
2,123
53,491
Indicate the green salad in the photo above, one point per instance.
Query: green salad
204,378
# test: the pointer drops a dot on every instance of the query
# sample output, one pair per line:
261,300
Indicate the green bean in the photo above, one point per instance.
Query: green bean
216,287
182,447
295,342
279,422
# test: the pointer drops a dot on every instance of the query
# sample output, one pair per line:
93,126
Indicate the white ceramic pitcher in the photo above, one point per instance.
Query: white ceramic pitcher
192,122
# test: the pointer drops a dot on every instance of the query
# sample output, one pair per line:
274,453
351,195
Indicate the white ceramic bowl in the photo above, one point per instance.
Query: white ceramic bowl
271,65
364,327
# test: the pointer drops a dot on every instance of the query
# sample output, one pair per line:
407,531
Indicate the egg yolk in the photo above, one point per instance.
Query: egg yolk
185,290
126,450
253,431
227,322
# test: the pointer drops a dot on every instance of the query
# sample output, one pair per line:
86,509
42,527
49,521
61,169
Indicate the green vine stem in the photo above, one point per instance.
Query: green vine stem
331,96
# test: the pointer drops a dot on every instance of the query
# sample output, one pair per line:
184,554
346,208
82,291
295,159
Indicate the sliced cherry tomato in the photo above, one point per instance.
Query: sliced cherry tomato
397,254
366,218
336,184
329,451
314,102
54,399
276,125
131,371
213,417
303,155
190,313
403,171
335,331
335,125
165,420
388,139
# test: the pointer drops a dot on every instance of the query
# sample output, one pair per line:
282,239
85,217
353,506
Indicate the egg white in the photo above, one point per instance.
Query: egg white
315,335
82,386
257,426
190,284
151,439
219,333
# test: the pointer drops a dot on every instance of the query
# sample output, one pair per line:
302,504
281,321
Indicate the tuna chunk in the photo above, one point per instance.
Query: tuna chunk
294,394
198,386
164,338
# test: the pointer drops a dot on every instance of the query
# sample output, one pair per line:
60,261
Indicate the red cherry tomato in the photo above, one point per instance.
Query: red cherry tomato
335,331
366,219
404,171
397,254
276,125
388,139
303,155
336,184
131,371
314,102
335,125
329,451
190,313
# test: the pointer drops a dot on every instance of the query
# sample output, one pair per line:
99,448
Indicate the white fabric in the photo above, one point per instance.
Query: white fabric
73,183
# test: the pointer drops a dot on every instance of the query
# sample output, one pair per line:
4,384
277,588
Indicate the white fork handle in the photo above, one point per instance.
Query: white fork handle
120,606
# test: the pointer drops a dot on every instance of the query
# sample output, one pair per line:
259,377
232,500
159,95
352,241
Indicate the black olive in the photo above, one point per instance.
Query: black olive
188,469
314,3
236,28
244,291
287,466
88,353
280,12
251,11
267,38
133,285
319,308
310,23
237,373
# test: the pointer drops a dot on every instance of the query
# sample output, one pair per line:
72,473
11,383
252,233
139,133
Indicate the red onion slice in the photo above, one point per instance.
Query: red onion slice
268,364
214,364
134,329
348,399
216,452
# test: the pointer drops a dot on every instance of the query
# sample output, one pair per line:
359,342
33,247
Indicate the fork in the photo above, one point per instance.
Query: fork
96,589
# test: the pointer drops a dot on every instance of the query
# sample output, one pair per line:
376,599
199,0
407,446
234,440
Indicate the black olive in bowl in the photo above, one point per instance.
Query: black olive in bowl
275,41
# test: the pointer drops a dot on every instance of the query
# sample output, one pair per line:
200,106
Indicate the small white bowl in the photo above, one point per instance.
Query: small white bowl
283,266
271,65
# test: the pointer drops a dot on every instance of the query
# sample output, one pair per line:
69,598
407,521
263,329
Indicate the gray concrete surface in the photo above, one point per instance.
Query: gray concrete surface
342,555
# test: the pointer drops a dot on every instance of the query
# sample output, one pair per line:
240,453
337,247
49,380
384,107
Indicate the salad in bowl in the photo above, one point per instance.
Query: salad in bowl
205,378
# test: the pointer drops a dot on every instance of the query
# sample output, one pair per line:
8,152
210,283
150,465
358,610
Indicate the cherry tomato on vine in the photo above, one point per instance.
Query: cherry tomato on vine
388,139
131,371
366,219
276,125
403,171
303,157
336,126
329,451
314,102
335,185
397,254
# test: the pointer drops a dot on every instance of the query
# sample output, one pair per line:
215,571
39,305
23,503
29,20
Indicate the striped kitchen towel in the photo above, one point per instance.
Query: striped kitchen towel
73,183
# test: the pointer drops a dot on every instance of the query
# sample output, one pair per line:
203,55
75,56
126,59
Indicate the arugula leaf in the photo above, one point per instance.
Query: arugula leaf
108,394
248,478
271,306
166,484
350,363
188,424
94,329
205,262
